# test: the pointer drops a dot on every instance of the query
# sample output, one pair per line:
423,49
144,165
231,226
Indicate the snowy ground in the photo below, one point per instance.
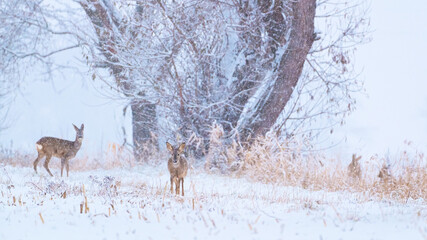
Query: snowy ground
136,204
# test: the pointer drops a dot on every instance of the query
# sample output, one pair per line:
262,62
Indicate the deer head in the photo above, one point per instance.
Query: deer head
79,132
176,152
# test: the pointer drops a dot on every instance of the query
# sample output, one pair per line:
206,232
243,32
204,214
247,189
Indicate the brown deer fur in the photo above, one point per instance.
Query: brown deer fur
177,166
354,170
60,148
384,173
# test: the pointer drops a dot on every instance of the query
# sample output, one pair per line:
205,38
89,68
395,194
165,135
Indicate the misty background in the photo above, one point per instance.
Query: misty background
392,110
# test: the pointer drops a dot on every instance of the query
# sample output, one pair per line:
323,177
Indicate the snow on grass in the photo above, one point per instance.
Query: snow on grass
136,203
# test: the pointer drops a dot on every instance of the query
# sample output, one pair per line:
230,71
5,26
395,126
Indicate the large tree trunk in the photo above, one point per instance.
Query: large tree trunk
274,99
144,126
282,54
107,26
295,35
249,75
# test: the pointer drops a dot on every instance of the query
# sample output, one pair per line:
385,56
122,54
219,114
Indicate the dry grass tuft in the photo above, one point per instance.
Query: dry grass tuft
276,161
116,156
271,160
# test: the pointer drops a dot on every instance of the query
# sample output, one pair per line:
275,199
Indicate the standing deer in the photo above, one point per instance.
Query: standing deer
354,168
384,174
60,148
177,166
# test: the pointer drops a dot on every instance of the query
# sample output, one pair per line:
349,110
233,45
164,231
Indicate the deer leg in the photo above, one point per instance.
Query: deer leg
67,166
46,164
62,165
177,185
39,157
182,184
172,182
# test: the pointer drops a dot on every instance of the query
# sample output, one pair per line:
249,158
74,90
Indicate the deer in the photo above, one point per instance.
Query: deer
354,167
177,166
60,148
384,173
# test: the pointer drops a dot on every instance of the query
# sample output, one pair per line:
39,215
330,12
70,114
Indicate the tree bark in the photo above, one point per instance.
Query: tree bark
273,100
144,125
144,121
257,64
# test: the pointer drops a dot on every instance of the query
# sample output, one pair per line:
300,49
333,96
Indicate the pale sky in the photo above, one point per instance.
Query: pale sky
395,74
394,70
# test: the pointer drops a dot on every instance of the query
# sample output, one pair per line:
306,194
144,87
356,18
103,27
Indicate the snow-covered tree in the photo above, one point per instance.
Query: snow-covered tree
28,32
253,66
20,36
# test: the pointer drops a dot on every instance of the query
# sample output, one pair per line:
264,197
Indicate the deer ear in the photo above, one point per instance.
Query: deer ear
76,128
82,127
181,148
357,159
169,147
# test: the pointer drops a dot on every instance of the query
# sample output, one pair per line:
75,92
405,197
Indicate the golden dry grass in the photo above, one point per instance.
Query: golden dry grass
287,163
275,161
115,156
270,160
